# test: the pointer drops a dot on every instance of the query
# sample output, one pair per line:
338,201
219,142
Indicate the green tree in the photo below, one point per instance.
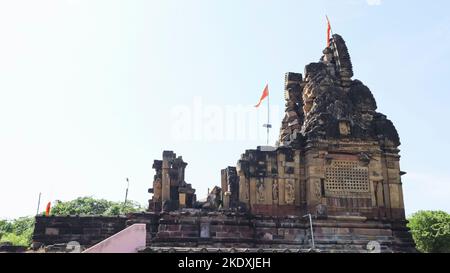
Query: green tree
91,206
18,231
121,209
431,231
22,225
5,227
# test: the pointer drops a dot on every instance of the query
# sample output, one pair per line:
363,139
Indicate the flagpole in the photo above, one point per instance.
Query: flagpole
268,117
332,40
126,192
39,203
264,95
331,29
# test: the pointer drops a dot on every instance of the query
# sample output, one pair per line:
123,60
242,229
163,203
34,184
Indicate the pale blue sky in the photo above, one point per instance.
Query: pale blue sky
90,90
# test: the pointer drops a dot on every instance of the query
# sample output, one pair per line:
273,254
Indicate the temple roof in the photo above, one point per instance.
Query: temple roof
326,103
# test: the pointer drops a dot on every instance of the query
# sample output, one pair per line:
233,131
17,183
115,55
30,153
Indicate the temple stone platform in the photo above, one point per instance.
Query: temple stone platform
221,231
252,233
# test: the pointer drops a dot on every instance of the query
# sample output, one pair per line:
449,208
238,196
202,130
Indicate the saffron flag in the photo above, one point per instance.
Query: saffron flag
47,210
328,32
264,95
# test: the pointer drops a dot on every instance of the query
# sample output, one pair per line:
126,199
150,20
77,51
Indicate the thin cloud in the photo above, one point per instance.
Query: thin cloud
374,2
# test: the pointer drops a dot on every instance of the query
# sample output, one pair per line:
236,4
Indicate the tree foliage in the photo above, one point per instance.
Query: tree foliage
18,231
431,231
91,206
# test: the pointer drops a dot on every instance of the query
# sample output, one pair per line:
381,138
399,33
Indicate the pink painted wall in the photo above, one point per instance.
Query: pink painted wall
128,240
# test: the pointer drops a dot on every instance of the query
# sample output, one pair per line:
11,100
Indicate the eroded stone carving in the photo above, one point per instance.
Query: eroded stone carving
157,189
260,190
317,189
364,159
321,211
289,191
328,104
275,191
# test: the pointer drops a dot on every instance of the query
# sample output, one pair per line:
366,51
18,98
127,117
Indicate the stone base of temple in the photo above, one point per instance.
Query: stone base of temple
228,232
222,231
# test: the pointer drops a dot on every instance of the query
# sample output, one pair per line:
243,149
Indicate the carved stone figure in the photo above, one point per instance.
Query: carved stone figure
260,190
364,159
246,189
289,192
157,189
317,189
321,211
275,191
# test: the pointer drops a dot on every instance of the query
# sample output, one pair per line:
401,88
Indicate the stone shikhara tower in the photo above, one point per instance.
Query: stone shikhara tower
336,155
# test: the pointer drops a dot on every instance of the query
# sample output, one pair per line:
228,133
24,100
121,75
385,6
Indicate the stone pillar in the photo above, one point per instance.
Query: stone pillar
165,187
226,200
313,179
182,200
223,183
395,187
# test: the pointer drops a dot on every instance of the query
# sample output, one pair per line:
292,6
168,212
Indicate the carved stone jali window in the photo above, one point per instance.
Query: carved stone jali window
346,177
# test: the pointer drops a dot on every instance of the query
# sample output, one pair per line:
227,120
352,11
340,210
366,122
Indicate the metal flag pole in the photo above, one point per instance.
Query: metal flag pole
331,29
39,204
334,43
268,125
126,192
268,117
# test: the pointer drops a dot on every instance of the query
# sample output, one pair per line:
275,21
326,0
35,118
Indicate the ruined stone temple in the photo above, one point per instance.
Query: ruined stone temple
170,191
336,159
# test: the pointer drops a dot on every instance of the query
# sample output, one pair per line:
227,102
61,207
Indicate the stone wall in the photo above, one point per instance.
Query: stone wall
231,230
86,230
198,229
272,182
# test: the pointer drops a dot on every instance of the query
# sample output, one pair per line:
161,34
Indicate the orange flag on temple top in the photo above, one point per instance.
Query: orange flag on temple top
47,210
264,95
328,31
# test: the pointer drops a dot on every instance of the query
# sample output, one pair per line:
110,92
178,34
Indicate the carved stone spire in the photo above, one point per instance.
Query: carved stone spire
328,104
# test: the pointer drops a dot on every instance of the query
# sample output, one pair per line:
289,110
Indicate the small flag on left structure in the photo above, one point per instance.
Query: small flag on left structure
47,209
